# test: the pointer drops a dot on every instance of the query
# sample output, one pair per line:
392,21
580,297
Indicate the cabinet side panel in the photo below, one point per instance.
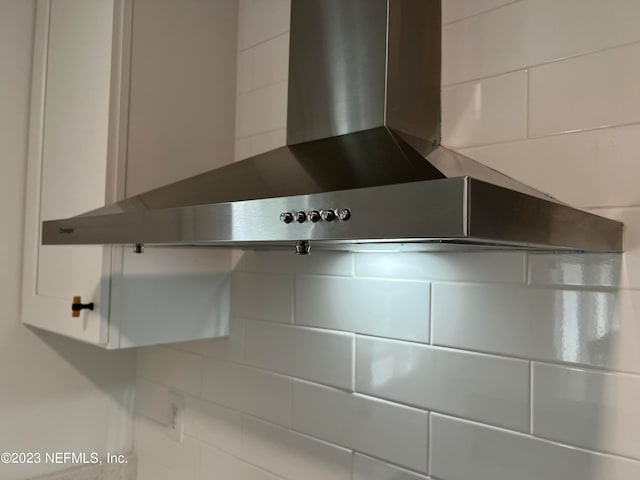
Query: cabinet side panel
172,295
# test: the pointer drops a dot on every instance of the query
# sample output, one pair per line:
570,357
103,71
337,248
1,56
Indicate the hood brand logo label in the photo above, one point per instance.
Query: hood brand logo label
66,231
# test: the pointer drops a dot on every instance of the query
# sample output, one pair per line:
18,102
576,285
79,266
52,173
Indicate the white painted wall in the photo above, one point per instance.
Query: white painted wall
55,394
483,366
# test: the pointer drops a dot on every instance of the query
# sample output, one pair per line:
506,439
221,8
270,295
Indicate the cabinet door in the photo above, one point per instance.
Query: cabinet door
67,172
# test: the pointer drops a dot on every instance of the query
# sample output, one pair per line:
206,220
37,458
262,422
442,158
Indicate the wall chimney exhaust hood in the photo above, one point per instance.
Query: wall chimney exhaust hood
363,167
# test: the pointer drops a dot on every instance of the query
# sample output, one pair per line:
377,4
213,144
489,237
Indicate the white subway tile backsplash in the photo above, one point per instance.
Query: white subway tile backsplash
579,269
262,20
367,468
385,430
464,450
311,354
214,425
485,111
171,368
322,263
149,469
453,10
292,455
532,32
584,327
630,259
265,142
587,408
271,61
386,308
391,432
263,65
579,176
217,465
262,110
246,3
481,387
243,149
262,296
230,348
472,266
256,392
152,401
153,444
589,91
323,412
244,81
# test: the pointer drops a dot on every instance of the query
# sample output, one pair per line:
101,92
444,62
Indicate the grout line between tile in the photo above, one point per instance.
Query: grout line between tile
201,365
290,425
430,341
353,363
389,462
539,286
244,342
611,207
262,42
536,65
429,443
200,457
432,344
265,132
548,136
353,464
242,435
467,83
240,457
353,264
526,280
257,89
294,299
547,441
457,20
528,104
531,398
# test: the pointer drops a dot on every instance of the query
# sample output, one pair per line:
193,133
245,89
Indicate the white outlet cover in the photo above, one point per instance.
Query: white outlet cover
175,416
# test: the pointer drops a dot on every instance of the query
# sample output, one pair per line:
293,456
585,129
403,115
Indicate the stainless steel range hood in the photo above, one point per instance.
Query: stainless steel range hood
363,167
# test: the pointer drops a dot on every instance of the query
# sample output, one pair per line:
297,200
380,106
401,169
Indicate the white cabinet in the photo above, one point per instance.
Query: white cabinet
127,95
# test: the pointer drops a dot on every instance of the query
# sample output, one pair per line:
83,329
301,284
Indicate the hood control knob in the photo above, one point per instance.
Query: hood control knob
313,215
344,214
301,217
328,215
286,217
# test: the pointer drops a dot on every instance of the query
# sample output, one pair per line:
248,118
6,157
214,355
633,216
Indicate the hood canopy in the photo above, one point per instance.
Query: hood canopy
363,166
